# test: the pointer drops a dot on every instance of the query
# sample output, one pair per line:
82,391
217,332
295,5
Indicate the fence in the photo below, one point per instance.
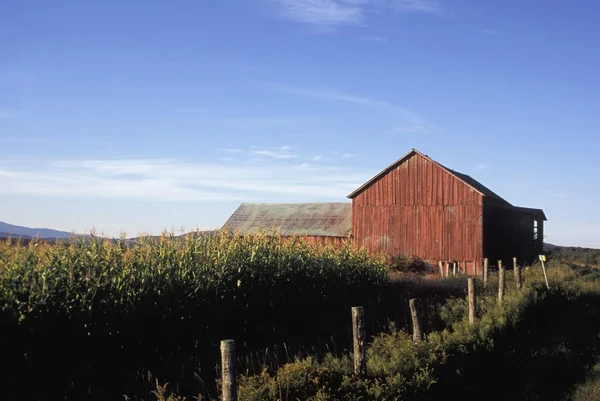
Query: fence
229,383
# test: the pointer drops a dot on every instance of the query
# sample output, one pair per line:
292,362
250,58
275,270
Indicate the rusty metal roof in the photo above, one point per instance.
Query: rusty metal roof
327,219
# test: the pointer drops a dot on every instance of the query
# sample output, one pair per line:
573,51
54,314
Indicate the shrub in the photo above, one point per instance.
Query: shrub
409,265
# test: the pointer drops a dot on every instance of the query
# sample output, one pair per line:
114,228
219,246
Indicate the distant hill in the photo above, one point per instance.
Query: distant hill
26,233
10,230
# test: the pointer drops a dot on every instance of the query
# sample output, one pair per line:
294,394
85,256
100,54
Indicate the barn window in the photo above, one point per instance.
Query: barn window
535,230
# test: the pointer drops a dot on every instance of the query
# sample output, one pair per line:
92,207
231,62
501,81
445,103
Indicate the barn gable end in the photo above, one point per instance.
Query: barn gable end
418,207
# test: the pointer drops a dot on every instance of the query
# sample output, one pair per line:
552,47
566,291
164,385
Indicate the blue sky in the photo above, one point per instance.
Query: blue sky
139,116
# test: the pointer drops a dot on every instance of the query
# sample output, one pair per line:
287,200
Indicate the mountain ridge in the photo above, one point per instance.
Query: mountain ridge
24,232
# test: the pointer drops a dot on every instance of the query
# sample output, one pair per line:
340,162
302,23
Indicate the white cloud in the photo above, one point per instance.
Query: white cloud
420,6
319,12
6,114
348,12
276,179
283,152
262,153
374,38
481,166
489,31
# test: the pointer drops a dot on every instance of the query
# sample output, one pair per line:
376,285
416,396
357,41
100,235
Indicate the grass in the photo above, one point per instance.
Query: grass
589,390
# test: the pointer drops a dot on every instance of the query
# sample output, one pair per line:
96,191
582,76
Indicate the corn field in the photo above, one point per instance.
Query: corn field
98,318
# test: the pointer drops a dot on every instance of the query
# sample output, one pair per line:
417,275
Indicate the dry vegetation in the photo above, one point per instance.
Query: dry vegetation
99,319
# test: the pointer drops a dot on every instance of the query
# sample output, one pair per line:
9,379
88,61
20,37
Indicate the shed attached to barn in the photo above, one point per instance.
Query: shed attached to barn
418,207
319,223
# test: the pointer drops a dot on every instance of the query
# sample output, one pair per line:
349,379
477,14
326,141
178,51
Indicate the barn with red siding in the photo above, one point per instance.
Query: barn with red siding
416,207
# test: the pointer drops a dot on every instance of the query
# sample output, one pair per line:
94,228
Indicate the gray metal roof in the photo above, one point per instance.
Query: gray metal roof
328,219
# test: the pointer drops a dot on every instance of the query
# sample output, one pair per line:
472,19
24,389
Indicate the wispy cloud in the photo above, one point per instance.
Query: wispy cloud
266,122
193,110
320,12
277,178
489,31
404,119
421,6
260,153
283,152
374,38
27,140
556,194
6,114
349,12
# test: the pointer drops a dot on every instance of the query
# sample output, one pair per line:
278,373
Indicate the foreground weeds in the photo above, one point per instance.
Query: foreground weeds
533,344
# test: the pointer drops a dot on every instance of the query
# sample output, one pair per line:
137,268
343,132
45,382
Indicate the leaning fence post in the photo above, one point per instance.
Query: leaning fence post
360,349
417,334
517,273
228,370
500,282
441,264
471,288
485,272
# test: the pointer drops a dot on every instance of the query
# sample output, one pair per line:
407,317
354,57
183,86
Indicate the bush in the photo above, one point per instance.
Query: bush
409,265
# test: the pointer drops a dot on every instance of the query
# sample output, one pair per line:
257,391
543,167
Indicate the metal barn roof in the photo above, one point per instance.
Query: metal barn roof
327,219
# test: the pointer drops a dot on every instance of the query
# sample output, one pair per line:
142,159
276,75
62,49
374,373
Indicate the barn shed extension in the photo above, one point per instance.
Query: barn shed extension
416,207
323,222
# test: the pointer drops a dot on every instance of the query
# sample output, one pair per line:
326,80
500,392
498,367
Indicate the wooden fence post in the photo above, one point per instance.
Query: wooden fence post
447,269
417,334
471,287
454,268
518,278
465,267
485,272
474,267
500,282
228,370
360,347
441,264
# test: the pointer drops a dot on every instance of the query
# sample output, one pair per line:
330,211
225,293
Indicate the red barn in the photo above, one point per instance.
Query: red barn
416,207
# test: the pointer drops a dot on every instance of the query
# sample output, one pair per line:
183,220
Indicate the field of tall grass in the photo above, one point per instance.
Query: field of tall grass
100,318
108,319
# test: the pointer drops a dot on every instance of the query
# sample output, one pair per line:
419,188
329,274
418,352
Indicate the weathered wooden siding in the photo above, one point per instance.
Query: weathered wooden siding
419,209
